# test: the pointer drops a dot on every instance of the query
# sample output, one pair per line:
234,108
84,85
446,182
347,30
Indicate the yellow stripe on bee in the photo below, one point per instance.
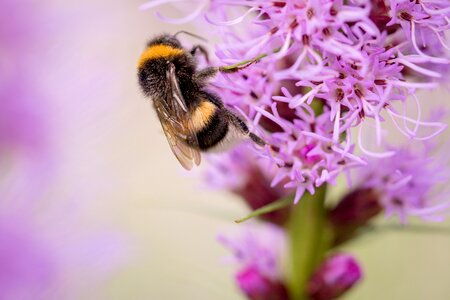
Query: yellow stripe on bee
203,114
157,51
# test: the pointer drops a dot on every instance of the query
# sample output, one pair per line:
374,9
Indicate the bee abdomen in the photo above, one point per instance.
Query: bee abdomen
214,131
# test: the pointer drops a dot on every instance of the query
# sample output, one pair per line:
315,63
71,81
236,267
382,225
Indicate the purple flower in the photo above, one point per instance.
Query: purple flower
329,67
335,276
409,183
258,251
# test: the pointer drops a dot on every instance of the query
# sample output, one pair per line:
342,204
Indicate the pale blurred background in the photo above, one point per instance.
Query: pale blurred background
113,158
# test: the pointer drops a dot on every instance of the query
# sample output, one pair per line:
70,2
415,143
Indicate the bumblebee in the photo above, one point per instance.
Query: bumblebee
193,118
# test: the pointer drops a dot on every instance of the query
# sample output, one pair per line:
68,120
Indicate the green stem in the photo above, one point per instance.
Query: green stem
309,240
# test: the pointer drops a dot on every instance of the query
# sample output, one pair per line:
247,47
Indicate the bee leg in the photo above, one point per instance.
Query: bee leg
202,50
244,128
206,73
213,98
209,72
259,141
237,67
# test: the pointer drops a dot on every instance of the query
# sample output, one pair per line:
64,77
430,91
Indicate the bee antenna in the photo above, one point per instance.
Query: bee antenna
191,34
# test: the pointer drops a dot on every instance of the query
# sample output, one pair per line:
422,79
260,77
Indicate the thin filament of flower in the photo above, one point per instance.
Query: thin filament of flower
440,126
419,115
370,153
238,45
309,95
399,184
317,136
430,210
233,21
256,49
435,11
418,85
337,118
272,118
190,17
418,69
285,46
348,140
377,129
366,28
431,58
319,61
350,120
285,73
156,3
349,155
440,38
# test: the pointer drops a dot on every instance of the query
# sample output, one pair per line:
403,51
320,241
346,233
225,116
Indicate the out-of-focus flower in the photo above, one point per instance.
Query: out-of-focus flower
258,250
21,125
25,145
258,287
27,268
47,250
16,33
44,256
21,128
336,275
409,183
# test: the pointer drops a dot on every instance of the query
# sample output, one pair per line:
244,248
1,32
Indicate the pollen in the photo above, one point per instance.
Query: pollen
157,51
203,114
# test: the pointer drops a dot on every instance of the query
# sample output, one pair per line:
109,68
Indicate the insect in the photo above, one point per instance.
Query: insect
193,118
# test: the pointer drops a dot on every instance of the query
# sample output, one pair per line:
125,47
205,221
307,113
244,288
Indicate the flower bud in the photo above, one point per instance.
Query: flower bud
334,277
258,287
379,14
356,209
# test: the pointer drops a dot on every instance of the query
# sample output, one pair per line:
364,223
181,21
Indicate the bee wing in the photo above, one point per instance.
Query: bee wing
176,122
